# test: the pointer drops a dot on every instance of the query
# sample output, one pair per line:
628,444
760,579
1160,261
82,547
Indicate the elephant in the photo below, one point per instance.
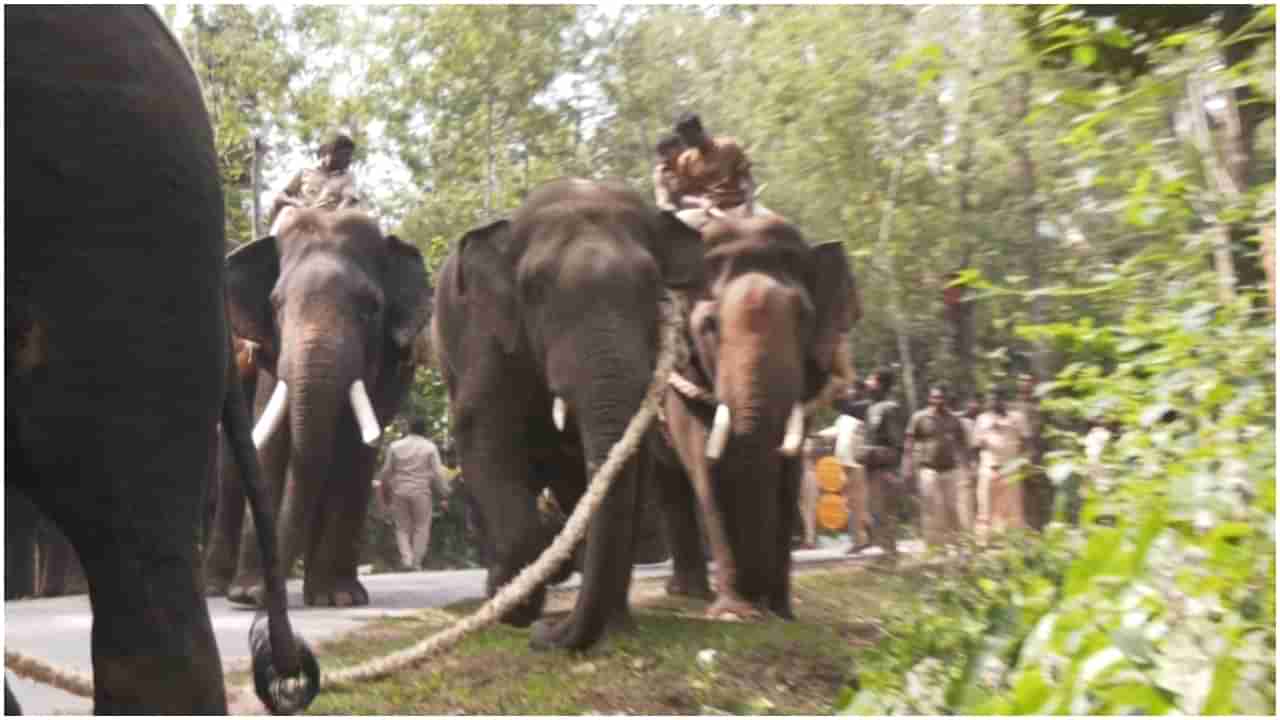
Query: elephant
117,348
546,333
333,307
767,329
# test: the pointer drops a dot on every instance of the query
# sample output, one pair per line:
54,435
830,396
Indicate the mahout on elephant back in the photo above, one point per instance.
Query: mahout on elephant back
768,329
117,345
334,308
546,328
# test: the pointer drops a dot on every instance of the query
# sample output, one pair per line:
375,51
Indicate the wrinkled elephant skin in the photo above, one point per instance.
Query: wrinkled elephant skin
562,301
764,328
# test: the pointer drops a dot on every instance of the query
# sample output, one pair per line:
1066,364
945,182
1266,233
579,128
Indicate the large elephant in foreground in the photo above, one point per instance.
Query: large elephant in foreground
116,341
766,329
546,328
334,307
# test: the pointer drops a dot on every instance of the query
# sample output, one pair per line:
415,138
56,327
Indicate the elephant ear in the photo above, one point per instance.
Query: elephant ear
835,298
252,271
408,292
679,251
485,279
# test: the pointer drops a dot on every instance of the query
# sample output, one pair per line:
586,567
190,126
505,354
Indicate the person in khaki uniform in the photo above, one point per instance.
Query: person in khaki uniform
330,185
880,455
935,448
713,176
1002,435
967,474
410,473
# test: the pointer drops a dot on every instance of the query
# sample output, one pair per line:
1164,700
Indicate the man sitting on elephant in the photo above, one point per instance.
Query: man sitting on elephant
330,185
666,186
713,174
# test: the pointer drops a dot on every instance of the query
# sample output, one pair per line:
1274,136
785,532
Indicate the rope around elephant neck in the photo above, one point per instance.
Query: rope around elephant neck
671,356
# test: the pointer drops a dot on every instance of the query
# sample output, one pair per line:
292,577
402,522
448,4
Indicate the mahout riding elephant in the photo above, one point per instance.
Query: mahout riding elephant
765,329
334,307
117,349
546,330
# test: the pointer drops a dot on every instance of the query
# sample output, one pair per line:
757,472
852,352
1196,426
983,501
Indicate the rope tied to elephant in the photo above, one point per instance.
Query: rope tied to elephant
672,354
65,679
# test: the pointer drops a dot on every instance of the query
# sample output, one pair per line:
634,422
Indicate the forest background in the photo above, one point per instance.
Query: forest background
1085,193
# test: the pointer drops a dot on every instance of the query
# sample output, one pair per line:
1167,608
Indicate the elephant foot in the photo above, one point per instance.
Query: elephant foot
731,607
563,634
247,591
346,592
782,608
694,587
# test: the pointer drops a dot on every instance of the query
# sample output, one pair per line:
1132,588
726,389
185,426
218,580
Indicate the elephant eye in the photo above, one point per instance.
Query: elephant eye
710,326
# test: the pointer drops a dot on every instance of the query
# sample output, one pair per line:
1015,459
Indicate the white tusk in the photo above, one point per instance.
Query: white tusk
794,436
558,412
370,430
272,415
719,433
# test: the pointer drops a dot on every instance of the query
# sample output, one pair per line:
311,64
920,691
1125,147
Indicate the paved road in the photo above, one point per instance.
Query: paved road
57,629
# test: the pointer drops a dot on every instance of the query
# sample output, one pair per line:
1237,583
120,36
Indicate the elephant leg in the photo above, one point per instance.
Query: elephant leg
684,538
690,438
498,469
779,589
606,581
133,525
222,549
61,558
20,527
567,481
331,578
248,586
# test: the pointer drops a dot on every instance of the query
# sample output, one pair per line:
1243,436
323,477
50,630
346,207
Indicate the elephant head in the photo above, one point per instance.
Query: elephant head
766,326
335,308
547,334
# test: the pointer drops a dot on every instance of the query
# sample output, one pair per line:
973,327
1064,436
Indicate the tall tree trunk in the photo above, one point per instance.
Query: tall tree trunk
489,160
257,187
1218,172
1034,245
891,271
960,313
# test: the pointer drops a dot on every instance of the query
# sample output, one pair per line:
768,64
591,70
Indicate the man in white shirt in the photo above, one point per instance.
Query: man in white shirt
1001,435
410,472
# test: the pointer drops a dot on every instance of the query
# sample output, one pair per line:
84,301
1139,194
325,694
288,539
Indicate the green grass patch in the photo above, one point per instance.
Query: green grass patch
650,668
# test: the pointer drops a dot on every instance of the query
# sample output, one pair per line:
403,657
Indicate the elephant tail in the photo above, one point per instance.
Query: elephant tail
278,654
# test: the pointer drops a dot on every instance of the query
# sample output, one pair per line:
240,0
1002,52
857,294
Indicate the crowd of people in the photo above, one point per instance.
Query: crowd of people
962,464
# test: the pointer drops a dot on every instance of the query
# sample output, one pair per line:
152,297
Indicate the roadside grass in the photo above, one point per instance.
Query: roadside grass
652,668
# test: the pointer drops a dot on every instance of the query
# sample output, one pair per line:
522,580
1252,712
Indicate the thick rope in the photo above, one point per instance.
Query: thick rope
561,548
65,679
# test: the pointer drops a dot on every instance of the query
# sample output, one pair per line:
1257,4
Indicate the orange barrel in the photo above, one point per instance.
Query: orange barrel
833,512
830,474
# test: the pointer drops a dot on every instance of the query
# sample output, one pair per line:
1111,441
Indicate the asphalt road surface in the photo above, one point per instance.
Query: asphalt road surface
57,629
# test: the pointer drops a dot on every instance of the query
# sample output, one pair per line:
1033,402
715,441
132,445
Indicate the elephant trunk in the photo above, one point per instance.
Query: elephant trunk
320,375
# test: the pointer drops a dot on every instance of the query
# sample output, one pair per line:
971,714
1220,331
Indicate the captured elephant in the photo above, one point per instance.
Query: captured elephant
765,328
116,340
546,329
334,308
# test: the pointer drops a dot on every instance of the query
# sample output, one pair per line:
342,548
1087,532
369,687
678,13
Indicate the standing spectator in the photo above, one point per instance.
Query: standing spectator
1038,497
1002,435
967,473
807,500
935,448
880,456
411,471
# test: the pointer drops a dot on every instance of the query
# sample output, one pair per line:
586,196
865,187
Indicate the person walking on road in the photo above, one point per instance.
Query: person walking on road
410,473
1002,436
880,455
935,448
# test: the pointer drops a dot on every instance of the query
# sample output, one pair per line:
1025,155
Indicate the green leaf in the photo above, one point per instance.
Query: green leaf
1084,55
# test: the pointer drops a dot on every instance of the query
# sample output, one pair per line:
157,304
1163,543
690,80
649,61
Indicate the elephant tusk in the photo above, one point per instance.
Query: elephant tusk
370,430
558,412
272,415
794,436
719,433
